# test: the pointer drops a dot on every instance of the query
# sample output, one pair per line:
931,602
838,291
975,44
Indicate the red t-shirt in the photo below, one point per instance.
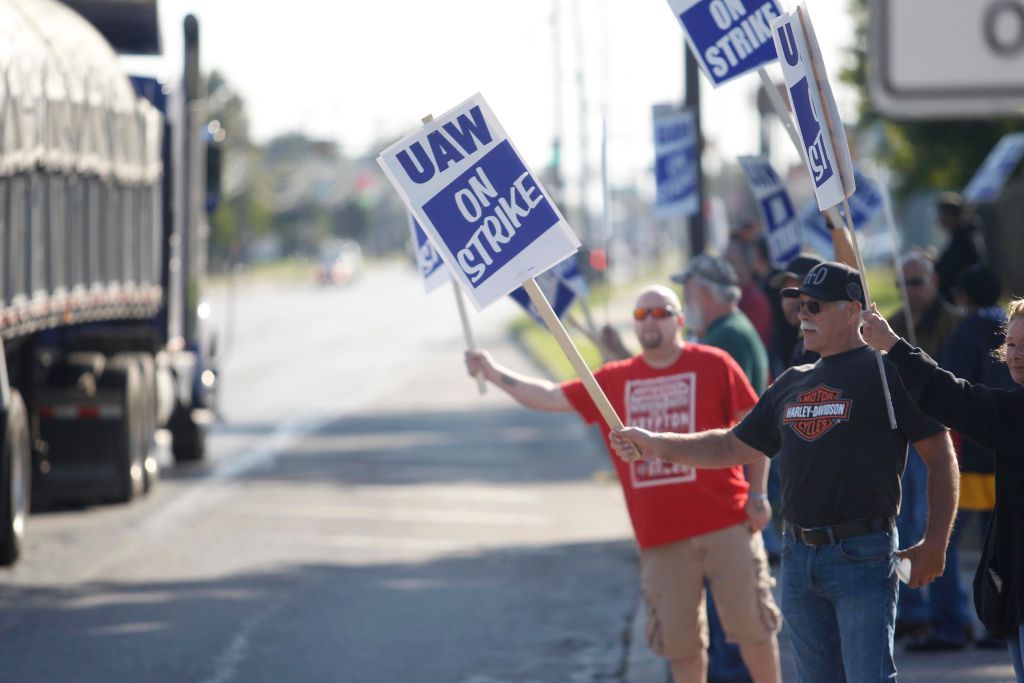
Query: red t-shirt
704,389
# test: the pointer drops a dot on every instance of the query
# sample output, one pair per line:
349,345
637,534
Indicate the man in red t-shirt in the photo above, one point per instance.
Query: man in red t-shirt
690,524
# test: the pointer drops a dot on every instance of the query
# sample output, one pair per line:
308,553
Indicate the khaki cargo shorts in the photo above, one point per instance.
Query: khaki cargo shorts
735,565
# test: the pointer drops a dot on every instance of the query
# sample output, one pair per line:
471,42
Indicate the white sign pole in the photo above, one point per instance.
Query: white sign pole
848,182
540,302
467,331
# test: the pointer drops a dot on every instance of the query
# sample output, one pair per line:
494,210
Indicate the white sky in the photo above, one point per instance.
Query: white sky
358,71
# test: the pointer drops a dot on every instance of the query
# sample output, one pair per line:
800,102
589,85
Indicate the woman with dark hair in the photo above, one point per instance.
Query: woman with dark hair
994,418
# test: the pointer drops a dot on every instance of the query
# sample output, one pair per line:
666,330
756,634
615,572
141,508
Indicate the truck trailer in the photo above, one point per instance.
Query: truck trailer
104,195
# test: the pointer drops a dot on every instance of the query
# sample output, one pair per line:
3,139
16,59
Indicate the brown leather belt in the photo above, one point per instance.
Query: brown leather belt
825,535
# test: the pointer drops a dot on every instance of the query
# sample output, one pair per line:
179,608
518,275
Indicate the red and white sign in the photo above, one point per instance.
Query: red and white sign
662,404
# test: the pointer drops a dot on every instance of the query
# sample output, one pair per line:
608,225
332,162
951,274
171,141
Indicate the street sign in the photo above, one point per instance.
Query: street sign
429,261
782,227
675,162
826,151
946,60
485,211
988,181
728,37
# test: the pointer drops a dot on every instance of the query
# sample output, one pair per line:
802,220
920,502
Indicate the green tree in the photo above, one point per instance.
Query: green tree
243,212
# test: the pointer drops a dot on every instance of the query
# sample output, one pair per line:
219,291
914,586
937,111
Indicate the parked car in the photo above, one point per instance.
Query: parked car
338,263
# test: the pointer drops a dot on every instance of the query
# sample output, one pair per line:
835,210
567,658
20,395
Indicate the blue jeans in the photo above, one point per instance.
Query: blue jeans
913,605
839,601
1016,643
947,598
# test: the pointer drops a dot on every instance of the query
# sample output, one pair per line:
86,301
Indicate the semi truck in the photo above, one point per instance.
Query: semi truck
105,186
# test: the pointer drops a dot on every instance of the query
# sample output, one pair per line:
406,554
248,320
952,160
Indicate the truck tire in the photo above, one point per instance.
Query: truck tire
147,415
15,480
122,372
188,439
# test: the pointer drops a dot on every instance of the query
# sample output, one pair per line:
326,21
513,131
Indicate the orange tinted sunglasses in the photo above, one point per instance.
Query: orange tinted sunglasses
656,312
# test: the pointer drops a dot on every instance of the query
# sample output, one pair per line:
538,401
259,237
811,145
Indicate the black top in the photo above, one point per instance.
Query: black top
995,419
840,461
968,355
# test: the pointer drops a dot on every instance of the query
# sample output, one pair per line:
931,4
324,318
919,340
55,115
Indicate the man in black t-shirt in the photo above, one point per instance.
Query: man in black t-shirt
828,425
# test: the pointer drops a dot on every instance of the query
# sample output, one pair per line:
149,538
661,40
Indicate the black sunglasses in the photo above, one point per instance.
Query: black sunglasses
812,307
915,281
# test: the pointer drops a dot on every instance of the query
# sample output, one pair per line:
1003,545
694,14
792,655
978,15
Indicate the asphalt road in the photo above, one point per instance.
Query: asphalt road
363,516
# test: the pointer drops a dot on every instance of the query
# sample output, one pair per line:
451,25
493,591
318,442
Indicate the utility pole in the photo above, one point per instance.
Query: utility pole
556,141
692,76
584,119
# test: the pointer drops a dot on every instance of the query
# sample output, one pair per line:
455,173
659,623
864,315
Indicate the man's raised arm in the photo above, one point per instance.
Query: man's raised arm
714,448
531,392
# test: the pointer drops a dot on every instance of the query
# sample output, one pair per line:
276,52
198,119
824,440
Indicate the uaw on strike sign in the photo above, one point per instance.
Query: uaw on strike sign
429,261
776,209
728,37
488,216
817,117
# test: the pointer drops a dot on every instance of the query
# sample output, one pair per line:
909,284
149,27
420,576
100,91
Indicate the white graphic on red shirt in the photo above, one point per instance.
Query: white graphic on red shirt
661,404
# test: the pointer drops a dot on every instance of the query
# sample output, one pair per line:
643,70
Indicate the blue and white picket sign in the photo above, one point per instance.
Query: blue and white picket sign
988,181
728,37
817,116
432,268
560,285
675,162
866,207
782,226
487,214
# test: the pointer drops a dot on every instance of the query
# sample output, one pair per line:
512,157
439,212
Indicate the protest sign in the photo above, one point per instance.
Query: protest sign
728,37
675,162
489,217
826,151
429,261
866,206
561,285
782,226
988,181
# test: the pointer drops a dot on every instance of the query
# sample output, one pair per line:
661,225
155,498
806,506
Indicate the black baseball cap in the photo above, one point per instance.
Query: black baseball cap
830,281
796,268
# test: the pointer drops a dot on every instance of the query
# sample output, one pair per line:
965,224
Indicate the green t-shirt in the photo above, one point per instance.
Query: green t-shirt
735,334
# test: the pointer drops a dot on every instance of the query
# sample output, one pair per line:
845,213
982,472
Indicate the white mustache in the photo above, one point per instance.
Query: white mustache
809,326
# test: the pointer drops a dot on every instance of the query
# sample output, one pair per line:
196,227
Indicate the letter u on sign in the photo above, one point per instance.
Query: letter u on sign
788,43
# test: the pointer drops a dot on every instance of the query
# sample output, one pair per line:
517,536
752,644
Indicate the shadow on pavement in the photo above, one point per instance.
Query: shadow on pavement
557,614
490,446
